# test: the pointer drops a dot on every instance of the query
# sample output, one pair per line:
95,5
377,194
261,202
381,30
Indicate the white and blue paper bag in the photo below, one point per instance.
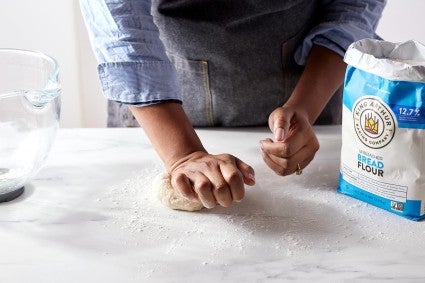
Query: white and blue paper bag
383,126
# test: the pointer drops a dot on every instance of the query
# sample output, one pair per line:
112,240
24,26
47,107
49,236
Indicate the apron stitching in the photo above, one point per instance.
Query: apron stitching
208,101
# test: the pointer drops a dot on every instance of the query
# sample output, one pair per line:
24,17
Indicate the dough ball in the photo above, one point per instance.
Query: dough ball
171,198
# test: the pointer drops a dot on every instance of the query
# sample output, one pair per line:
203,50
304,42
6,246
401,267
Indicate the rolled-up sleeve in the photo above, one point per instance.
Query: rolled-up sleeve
341,23
133,66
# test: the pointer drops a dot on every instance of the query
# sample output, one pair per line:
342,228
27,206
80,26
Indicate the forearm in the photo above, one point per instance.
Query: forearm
169,130
322,76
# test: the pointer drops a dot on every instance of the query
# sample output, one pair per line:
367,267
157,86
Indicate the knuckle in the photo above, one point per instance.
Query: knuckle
279,112
205,165
227,157
202,186
177,179
273,115
233,176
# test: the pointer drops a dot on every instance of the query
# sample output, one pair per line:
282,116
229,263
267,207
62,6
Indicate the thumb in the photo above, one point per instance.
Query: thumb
247,171
279,122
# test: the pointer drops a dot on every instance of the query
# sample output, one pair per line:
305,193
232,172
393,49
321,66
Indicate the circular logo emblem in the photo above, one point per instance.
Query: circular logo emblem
373,122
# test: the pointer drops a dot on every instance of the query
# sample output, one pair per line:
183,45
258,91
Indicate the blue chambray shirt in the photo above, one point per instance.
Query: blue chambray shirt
134,68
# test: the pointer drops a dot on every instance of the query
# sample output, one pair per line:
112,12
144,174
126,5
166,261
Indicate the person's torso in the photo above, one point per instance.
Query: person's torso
234,58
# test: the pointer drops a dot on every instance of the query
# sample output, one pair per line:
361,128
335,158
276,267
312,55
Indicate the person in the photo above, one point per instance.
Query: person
178,64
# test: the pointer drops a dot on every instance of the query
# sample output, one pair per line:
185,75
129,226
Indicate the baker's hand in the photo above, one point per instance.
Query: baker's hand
211,179
295,142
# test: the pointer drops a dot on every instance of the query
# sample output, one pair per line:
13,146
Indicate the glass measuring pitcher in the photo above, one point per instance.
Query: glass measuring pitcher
29,116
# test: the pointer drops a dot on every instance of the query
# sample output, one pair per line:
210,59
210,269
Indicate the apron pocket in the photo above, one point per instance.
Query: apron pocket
194,84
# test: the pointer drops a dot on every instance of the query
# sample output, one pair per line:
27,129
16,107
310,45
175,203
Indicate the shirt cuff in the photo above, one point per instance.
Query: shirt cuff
139,82
336,37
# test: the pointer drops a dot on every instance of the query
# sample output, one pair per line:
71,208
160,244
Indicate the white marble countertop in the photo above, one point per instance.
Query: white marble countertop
90,216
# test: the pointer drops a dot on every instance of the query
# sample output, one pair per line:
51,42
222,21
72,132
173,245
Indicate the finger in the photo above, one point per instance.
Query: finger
279,133
234,179
222,194
286,166
247,171
291,145
203,189
280,123
280,149
182,185
277,168
220,187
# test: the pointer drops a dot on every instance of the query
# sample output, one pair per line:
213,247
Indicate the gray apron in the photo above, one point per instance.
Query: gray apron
234,58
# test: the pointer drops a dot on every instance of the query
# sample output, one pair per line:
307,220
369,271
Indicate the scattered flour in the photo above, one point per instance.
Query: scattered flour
293,219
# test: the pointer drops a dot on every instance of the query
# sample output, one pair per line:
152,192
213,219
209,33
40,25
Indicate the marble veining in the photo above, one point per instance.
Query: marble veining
90,216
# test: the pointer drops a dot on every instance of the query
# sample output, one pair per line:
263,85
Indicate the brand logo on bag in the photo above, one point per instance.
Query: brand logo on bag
373,122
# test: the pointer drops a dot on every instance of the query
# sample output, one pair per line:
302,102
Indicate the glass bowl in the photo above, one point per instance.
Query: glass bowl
29,116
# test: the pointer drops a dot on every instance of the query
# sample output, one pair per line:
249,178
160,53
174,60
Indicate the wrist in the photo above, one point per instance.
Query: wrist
169,131
299,110
322,76
181,151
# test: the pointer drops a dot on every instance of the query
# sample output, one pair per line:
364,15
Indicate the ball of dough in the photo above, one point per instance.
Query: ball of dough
170,197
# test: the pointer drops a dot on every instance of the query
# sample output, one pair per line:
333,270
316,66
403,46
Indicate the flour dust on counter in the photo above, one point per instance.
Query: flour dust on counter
235,231
288,218
91,215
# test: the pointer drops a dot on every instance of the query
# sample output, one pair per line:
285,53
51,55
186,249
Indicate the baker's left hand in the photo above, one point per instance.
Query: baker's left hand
295,142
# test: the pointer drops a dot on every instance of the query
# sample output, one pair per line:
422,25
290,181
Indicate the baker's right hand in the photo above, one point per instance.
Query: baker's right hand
211,179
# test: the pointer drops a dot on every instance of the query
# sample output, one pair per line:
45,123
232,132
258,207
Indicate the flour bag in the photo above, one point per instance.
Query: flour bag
383,126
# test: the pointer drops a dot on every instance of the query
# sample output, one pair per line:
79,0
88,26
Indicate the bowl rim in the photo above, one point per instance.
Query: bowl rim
53,76
40,54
